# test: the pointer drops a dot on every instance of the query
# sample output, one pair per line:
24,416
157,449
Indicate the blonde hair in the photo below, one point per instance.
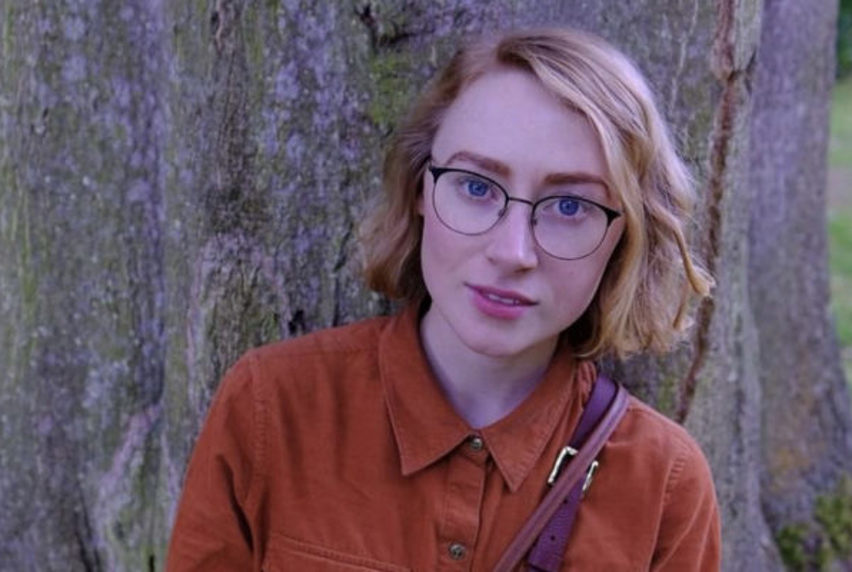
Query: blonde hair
643,299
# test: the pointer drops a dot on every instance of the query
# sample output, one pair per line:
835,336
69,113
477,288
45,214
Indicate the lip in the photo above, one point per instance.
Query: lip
510,306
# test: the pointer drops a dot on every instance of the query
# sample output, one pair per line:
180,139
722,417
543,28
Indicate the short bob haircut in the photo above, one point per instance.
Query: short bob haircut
646,292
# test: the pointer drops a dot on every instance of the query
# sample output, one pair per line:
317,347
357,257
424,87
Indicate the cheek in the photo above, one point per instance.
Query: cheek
576,287
436,250
445,256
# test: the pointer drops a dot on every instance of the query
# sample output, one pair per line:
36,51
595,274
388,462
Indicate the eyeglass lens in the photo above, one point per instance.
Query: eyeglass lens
564,226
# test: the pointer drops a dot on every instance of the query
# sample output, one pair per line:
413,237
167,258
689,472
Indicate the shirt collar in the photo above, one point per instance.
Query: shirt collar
426,427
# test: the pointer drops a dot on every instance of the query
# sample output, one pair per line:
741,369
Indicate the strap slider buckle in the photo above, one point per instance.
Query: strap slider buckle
564,455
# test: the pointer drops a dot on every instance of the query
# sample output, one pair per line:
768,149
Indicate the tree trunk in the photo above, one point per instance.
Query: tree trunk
181,180
805,478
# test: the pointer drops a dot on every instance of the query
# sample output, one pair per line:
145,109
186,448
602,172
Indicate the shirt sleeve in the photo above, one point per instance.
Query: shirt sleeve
690,532
211,530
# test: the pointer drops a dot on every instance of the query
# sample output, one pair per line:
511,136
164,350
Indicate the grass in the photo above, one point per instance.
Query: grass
840,217
840,147
840,260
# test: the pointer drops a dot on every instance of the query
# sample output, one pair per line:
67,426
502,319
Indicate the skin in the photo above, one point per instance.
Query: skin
508,127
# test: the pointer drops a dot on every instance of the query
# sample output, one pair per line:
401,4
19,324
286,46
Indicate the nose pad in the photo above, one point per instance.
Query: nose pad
511,240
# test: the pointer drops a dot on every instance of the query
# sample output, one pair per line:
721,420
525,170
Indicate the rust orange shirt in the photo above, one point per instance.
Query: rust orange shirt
338,451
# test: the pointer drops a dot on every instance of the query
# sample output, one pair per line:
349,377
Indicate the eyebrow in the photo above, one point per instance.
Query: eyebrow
503,170
482,162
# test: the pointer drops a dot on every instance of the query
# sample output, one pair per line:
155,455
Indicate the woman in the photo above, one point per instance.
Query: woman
533,220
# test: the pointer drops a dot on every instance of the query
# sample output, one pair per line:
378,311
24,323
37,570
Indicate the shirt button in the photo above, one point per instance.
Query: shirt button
457,550
476,443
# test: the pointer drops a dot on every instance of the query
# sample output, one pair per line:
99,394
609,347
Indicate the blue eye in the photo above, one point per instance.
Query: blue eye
568,207
476,187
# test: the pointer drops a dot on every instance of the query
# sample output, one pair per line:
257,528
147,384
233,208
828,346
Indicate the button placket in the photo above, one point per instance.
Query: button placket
459,527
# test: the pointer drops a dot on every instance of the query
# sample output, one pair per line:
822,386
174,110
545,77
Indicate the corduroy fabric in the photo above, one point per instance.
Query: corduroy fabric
338,451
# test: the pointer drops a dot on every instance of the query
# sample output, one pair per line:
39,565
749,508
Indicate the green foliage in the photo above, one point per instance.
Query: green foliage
840,143
834,514
840,231
791,544
814,546
840,217
844,39
794,544
840,258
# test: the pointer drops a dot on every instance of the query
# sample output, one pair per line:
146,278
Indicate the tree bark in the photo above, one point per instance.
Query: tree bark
805,466
180,181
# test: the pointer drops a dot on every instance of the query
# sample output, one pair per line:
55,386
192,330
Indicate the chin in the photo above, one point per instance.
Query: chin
495,348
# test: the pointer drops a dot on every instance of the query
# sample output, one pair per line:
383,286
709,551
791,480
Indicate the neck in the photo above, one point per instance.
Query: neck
482,388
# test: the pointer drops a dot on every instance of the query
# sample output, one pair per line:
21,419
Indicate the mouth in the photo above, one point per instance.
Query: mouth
505,297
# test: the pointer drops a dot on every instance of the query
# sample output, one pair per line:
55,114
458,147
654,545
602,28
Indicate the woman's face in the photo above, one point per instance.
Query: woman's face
498,293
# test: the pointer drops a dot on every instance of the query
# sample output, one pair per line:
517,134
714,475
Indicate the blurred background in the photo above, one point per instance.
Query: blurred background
840,187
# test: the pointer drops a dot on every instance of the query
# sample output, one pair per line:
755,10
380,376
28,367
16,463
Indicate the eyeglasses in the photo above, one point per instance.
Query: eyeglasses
564,226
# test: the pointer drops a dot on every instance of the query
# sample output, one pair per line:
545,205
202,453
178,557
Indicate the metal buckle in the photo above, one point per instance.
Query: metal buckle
590,474
566,453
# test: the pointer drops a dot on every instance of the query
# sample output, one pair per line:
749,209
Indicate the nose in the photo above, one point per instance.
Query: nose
511,243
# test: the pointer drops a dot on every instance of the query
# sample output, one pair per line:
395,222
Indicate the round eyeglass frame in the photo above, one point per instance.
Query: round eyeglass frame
611,214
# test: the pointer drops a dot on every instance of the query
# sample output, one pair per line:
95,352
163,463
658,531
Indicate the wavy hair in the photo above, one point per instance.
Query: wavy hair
652,278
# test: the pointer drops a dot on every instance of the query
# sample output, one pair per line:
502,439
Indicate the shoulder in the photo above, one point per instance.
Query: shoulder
356,337
317,371
673,469
663,445
324,354
651,427
300,380
319,352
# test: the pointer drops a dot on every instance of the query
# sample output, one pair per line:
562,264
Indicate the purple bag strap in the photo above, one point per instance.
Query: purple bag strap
549,549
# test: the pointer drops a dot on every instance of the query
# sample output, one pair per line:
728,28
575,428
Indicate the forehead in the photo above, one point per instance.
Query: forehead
509,116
